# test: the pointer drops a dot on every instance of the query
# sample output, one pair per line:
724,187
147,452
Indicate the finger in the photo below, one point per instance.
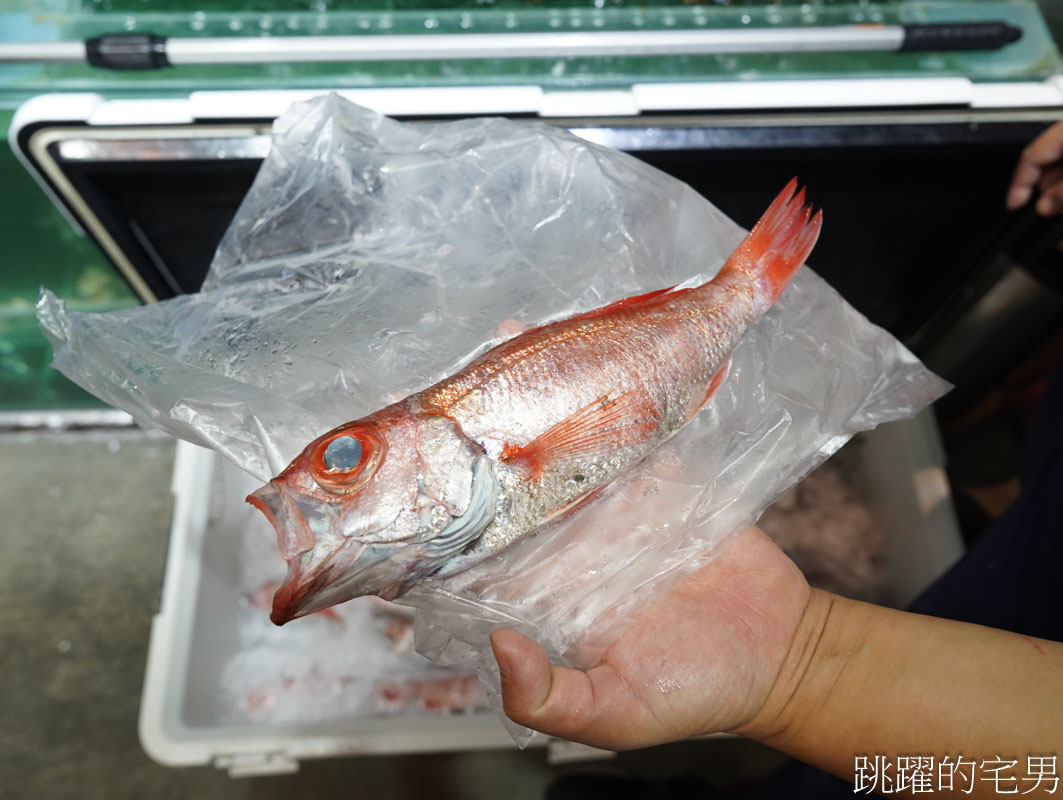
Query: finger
1022,182
1051,201
558,701
1043,151
1050,186
535,692
1050,178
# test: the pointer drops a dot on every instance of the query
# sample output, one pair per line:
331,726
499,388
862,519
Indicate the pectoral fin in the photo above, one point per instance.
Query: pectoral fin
605,424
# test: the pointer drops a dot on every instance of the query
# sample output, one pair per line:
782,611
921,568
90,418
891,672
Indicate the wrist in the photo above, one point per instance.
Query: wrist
822,649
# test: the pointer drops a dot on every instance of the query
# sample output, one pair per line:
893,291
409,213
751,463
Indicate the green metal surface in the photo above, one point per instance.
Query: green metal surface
1053,14
38,247
1034,56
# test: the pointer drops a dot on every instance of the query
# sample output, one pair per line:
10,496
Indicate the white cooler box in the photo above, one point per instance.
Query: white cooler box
202,629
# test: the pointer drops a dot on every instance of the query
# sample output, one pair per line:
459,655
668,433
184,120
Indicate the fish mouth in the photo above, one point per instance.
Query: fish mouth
291,523
305,592
319,578
324,568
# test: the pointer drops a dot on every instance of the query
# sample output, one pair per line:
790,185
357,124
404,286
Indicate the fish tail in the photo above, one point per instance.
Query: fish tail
778,244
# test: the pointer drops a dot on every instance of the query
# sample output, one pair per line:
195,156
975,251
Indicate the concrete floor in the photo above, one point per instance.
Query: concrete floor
82,548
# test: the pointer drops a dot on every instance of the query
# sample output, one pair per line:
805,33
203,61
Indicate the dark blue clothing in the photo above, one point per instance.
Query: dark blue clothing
1012,577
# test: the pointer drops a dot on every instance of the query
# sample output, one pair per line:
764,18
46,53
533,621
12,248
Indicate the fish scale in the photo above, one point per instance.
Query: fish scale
685,329
521,435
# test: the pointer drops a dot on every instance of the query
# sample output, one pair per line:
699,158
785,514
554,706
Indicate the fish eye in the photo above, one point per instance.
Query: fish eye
345,459
343,454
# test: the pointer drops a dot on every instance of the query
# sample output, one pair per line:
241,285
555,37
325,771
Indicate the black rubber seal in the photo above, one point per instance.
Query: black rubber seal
127,51
960,36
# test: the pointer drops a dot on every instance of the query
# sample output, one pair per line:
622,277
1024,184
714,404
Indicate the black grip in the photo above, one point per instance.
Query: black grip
127,51
960,36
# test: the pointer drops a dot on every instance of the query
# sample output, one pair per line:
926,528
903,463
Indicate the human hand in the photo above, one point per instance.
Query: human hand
1040,165
702,659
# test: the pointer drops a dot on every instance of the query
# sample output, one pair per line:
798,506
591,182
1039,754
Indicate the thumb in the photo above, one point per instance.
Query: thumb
526,673
559,701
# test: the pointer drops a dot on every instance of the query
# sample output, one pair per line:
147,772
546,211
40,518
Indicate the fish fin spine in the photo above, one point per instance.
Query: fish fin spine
570,509
632,302
715,383
627,303
596,428
779,243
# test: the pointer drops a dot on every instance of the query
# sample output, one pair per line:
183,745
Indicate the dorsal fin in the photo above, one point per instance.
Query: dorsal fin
628,302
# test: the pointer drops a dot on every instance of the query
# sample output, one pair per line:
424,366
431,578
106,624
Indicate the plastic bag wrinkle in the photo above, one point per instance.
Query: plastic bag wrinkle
372,258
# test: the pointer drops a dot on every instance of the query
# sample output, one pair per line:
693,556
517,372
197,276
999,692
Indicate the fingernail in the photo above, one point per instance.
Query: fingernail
1015,198
501,658
1045,207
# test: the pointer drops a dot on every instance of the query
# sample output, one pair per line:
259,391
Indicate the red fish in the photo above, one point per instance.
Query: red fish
450,475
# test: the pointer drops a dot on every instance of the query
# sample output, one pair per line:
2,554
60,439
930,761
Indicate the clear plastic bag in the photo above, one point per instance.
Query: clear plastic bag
372,258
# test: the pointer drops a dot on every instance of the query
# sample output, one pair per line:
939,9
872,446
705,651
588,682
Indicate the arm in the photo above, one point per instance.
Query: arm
745,646
862,679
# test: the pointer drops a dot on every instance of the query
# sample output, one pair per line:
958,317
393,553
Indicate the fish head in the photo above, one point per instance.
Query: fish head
374,506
